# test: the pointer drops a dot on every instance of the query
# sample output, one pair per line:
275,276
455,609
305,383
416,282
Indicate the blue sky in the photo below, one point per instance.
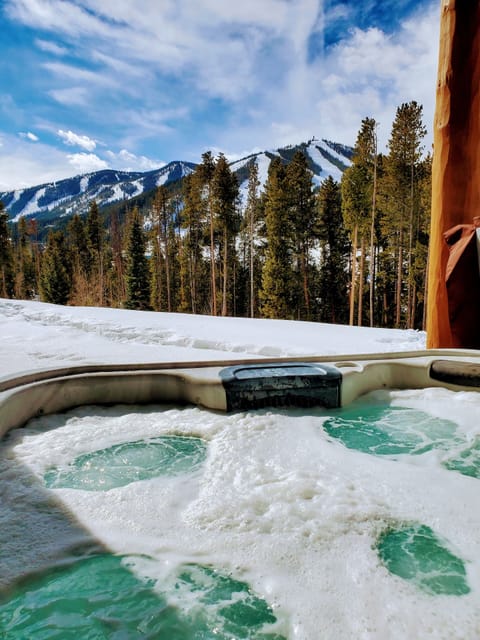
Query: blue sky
133,84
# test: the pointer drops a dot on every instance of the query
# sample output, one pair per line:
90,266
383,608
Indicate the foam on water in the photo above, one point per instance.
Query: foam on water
100,597
121,464
277,504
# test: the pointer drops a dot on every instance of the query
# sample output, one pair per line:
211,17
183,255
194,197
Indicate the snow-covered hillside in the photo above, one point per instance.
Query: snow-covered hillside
49,202
325,158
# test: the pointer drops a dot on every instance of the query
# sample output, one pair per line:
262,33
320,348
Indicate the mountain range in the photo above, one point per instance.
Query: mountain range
47,203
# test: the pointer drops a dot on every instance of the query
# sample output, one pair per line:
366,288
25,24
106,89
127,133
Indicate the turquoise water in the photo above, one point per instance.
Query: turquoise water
414,553
387,431
121,464
466,461
275,499
391,431
98,597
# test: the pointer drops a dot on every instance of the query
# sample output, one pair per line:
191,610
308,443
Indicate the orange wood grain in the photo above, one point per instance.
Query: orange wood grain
456,155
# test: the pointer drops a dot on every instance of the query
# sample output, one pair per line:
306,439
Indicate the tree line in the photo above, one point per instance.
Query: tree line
350,252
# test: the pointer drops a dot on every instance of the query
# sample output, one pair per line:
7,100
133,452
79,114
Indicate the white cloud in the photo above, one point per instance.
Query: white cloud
51,47
71,96
221,48
20,168
29,136
127,161
246,62
80,75
54,15
86,162
369,73
73,139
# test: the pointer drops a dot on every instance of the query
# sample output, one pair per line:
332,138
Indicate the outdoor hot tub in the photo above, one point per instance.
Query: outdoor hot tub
328,497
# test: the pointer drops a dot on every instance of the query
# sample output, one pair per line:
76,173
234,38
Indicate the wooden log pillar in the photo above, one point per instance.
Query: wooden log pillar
456,151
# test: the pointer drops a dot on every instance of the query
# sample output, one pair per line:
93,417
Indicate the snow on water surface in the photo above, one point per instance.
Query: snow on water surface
277,502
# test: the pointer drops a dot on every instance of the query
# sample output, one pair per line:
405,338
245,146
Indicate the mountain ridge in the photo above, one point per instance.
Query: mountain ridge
49,202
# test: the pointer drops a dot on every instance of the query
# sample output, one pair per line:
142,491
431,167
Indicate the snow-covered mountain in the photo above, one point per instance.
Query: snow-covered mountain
325,158
49,202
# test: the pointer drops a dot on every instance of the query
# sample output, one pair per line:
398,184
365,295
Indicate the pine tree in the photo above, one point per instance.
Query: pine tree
302,212
224,188
334,254
359,191
250,223
204,173
278,276
117,285
56,272
6,256
82,265
138,277
400,193
96,242
26,285
164,212
192,269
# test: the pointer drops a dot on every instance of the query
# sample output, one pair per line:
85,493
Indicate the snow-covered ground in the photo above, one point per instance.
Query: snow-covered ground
36,335
278,502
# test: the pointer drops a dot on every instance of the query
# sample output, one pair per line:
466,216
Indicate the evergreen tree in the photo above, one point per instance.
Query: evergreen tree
56,272
80,244
26,284
164,212
278,276
334,254
192,268
204,174
250,225
302,212
117,284
400,194
359,190
94,229
96,241
138,280
6,256
80,250
417,318
224,211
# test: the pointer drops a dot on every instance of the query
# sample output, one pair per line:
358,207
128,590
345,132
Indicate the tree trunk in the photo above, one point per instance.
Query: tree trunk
360,282
372,238
167,271
410,282
212,264
398,289
251,230
456,161
225,274
413,307
425,296
306,292
354,275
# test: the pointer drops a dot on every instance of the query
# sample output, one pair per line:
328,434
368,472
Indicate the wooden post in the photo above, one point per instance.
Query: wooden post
456,153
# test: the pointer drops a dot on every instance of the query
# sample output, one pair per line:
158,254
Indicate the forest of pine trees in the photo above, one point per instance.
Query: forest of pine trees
354,252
